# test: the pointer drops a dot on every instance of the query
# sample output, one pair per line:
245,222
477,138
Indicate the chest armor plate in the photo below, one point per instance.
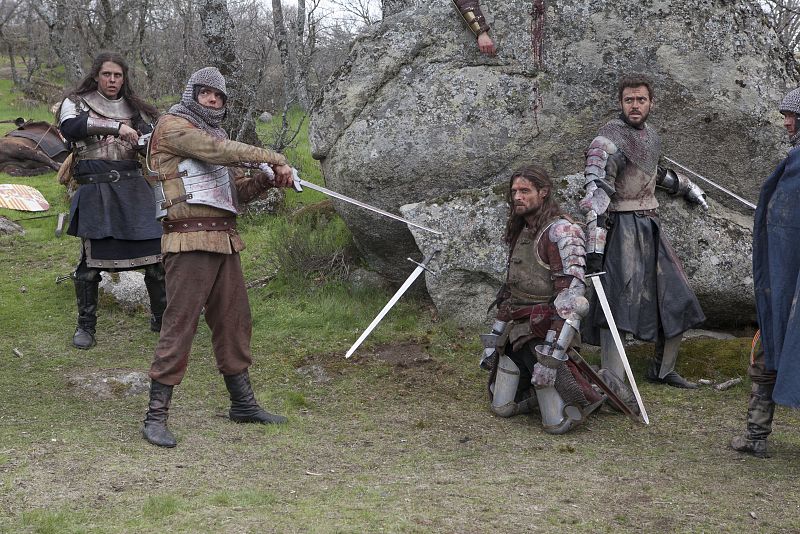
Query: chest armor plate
208,184
529,278
107,147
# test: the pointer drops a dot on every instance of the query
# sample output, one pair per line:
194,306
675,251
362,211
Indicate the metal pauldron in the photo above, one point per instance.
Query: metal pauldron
597,158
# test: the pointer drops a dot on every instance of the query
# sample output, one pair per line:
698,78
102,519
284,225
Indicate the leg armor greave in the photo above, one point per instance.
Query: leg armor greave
504,394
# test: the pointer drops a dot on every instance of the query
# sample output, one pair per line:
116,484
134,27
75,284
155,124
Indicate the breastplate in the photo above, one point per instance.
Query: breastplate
107,147
529,278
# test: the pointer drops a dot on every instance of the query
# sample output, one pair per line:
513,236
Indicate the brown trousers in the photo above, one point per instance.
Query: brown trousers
194,280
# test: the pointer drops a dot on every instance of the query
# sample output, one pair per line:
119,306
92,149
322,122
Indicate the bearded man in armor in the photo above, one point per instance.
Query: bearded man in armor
470,11
112,210
647,289
539,312
775,359
190,153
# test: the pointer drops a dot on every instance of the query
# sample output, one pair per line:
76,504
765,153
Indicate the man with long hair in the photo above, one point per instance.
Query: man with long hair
539,312
113,210
191,153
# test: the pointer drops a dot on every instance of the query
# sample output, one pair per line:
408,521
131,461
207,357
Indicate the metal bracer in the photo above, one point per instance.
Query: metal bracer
98,126
492,342
678,184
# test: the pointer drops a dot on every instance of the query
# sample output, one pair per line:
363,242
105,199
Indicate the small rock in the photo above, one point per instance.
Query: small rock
9,227
17,352
127,288
23,289
316,373
265,117
110,384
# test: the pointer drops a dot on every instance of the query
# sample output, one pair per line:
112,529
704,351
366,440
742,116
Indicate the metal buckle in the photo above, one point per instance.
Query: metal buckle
114,174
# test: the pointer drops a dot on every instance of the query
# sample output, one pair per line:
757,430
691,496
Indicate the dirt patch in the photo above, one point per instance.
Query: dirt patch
106,384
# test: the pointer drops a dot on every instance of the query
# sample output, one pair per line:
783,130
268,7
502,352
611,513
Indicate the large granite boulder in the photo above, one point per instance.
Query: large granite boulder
715,247
416,112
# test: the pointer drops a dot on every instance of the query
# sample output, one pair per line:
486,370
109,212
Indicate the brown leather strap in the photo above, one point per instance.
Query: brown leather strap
200,224
158,177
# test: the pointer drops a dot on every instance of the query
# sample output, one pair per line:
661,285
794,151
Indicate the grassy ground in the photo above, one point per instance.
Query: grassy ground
398,439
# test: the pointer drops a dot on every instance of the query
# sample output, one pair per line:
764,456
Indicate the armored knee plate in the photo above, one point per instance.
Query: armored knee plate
558,417
505,390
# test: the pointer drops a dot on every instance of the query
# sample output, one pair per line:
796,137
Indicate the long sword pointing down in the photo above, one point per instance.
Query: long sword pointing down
410,280
612,324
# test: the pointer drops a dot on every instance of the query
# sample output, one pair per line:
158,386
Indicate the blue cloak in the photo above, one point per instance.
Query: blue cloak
776,270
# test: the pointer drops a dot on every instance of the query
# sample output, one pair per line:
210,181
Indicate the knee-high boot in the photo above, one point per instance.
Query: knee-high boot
156,289
155,428
86,292
760,411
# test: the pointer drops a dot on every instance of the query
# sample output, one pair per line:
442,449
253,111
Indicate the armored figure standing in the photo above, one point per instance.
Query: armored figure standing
198,200
112,210
539,312
775,361
647,289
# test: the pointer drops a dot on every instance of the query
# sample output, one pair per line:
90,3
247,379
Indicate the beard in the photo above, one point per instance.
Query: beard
636,124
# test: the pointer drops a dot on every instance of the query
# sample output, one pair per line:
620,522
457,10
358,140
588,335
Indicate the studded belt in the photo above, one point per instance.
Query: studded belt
199,224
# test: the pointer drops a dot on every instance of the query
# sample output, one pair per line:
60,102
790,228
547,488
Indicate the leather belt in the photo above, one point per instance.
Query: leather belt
199,224
108,177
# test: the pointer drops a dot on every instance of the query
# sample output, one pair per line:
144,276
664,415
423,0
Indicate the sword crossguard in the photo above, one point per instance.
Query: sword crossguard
594,274
418,264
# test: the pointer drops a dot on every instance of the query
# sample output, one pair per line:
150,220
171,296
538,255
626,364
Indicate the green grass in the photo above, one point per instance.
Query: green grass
397,439
12,106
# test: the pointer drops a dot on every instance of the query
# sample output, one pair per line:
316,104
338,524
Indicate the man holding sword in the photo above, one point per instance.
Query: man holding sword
197,197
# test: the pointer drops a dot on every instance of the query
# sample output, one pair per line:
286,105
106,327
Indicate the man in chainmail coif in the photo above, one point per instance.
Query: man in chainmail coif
198,205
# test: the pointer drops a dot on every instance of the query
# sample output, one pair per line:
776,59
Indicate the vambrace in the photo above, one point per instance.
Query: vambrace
571,243
678,184
596,233
98,126
470,11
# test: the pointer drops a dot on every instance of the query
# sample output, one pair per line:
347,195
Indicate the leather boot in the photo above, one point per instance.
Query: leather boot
760,411
154,282
155,428
244,408
86,293
656,373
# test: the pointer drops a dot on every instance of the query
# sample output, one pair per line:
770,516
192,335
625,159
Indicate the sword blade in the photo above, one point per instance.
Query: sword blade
601,296
712,183
378,318
345,198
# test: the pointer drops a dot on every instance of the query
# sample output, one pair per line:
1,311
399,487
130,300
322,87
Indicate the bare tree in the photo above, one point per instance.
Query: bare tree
784,16
60,19
220,38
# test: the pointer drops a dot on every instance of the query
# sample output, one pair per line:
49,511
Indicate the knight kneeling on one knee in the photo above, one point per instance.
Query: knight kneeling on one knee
539,312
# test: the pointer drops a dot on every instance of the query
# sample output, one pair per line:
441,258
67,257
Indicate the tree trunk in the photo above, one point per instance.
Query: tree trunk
219,35
301,58
57,18
282,41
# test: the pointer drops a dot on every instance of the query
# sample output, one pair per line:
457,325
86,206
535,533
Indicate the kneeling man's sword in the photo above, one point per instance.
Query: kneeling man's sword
612,324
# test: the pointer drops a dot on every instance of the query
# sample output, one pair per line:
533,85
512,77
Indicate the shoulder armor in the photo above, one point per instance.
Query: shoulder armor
118,109
600,149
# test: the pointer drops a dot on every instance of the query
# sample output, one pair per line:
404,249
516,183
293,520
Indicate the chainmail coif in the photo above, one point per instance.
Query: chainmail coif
791,104
190,109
